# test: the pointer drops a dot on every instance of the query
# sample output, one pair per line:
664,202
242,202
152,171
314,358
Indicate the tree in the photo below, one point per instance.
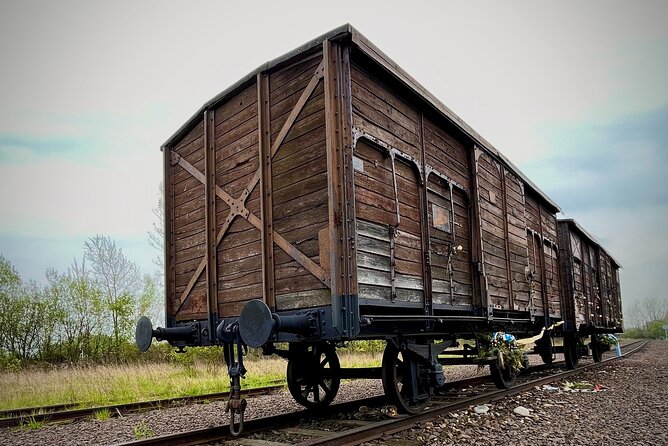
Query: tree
151,303
27,317
81,310
118,279
156,236
646,310
9,285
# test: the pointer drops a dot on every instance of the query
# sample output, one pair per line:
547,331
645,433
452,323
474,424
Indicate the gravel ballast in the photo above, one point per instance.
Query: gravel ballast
637,390
632,410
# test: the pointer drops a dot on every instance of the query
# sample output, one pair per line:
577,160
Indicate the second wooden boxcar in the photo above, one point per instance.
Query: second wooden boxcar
591,292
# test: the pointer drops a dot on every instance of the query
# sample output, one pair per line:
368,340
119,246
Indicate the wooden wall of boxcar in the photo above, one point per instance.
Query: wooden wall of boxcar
233,130
590,280
449,186
543,253
268,234
239,255
504,241
509,251
387,193
186,203
299,184
575,277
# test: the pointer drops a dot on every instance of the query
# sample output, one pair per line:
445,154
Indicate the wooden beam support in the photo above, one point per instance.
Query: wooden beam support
504,207
210,222
338,128
266,197
543,279
168,200
424,225
478,244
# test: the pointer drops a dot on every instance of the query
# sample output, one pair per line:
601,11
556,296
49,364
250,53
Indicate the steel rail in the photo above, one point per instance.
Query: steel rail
373,430
359,435
63,412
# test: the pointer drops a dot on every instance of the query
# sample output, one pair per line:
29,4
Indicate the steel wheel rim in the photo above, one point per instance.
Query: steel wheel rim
312,377
395,373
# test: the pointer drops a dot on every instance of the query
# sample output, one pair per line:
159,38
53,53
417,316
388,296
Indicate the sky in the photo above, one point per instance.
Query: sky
573,93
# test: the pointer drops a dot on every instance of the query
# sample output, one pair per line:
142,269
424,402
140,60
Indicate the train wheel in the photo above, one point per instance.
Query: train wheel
571,351
596,350
313,375
503,376
405,381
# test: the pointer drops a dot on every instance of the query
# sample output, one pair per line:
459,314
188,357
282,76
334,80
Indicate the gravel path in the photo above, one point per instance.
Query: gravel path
194,416
632,411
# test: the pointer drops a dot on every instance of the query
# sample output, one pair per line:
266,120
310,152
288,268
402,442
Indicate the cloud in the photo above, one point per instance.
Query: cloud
618,164
16,148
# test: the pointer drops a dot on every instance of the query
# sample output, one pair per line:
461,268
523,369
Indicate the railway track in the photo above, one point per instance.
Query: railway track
73,411
366,419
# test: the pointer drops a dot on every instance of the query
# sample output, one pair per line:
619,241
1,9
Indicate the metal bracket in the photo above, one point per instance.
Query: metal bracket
234,352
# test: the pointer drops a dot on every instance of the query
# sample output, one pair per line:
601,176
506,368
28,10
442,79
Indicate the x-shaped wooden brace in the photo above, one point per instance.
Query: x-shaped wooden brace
238,205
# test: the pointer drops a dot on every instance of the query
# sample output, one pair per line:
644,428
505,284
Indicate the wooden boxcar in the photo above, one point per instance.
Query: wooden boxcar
327,196
591,293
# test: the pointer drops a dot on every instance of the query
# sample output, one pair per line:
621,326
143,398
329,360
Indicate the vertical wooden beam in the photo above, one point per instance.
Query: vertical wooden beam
543,279
478,245
266,196
566,265
348,173
168,204
210,223
424,224
338,115
504,205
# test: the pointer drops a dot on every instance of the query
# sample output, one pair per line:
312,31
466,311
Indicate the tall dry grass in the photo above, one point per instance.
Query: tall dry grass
114,384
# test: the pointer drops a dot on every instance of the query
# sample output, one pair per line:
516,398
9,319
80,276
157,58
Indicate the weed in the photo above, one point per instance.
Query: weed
102,414
31,424
142,430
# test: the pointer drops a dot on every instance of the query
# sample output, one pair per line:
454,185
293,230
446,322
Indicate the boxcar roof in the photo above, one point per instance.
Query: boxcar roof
370,50
575,225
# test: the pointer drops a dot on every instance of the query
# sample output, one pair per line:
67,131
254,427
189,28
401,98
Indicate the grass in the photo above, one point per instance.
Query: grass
115,384
102,414
142,430
31,424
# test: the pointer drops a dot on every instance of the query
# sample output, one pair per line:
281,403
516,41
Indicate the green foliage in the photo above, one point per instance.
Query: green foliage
31,423
373,346
86,314
142,430
102,414
508,352
606,341
651,330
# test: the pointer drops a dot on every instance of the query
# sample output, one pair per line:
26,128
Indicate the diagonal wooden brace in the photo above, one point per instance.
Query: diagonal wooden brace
238,205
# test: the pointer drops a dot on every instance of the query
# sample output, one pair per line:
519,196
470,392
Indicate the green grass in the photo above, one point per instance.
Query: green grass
102,414
101,385
31,424
142,430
